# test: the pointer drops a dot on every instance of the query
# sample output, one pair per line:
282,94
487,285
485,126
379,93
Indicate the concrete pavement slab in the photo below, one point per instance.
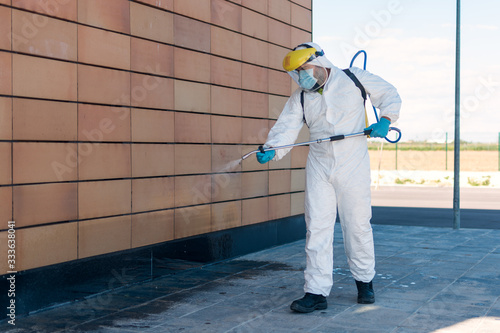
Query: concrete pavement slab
428,280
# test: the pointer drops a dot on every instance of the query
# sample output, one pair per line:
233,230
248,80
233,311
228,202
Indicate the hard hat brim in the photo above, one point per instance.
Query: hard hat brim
295,59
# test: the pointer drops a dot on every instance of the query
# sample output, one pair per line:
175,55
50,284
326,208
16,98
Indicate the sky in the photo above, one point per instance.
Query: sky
411,44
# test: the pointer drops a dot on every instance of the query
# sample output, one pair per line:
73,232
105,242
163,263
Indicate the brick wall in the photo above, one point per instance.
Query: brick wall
118,120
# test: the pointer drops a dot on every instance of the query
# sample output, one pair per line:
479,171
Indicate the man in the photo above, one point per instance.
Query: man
337,173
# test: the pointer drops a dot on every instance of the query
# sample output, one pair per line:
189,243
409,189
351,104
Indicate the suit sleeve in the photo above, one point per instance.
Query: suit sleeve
383,95
286,130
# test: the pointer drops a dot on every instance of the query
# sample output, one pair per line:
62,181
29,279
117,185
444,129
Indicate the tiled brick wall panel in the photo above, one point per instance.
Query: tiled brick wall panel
5,73
151,57
254,210
226,215
254,24
46,245
226,14
44,120
226,101
115,89
104,235
304,3
5,118
192,221
152,160
151,228
6,207
226,43
225,158
122,122
111,15
193,190
45,78
152,194
298,36
301,17
279,206
192,96
197,9
226,129
151,23
254,104
152,126
62,9
163,4
45,203
280,10
42,162
297,203
101,123
104,198
5,163
104,48
6,27
259,6
192,159
40,35
191,34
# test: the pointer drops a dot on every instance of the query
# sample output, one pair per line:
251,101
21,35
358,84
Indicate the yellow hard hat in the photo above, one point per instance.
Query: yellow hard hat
295,59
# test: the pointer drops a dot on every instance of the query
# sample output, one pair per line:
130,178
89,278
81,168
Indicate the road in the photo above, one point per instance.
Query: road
433,206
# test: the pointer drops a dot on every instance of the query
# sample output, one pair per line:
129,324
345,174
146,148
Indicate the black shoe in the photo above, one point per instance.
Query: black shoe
309,303
366,295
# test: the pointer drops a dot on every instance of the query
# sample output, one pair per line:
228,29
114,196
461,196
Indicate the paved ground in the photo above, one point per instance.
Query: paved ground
428,280
429,206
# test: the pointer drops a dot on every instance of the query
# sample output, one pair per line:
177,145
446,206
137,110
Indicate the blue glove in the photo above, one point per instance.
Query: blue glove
380,129
265,156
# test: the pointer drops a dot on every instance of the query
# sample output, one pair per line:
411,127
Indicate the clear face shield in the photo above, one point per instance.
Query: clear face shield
307,67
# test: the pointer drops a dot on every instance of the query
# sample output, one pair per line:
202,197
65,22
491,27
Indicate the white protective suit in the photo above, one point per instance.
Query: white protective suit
337,173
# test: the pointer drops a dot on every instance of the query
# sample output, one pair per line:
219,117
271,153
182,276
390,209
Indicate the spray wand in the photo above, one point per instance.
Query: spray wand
329,139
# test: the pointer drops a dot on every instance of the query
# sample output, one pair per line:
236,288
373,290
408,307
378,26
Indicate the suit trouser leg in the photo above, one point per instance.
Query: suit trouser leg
320,211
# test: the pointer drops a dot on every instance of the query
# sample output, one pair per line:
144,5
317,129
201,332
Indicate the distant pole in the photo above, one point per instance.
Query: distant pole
396,155
456,169
446,152
498,151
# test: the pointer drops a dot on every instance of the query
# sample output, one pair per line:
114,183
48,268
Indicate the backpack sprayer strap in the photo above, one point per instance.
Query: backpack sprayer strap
356,82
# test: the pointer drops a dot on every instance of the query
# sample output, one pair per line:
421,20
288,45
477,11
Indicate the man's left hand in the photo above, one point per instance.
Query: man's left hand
380,129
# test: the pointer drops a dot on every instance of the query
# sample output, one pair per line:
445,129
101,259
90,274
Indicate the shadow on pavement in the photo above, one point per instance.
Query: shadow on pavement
436,217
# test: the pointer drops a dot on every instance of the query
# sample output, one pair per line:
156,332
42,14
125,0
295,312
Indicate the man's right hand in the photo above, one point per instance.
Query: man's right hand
265,156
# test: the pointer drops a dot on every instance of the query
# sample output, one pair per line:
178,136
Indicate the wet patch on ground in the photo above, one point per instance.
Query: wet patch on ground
188,287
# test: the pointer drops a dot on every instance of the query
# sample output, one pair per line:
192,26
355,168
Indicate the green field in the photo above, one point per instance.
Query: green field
430,146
